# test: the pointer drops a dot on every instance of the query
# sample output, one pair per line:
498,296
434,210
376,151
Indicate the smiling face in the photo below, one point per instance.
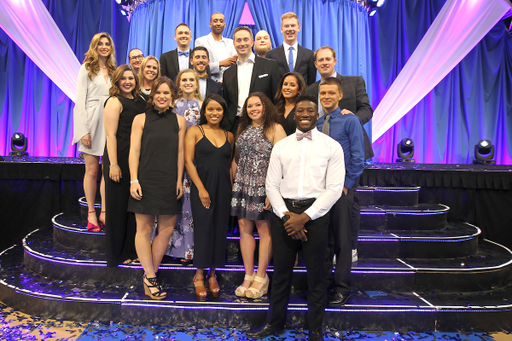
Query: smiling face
151,70
330,96
217,23
200,61
183,37
262,43
306,115
135,57
162,97
255,110
127,83
290,29
243,44
104,49
325,63
290,87
188,83
214,113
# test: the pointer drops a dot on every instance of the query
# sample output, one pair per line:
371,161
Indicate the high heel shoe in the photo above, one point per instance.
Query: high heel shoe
153,283
240,291
213,286
254,293
200,289
90,226
102,222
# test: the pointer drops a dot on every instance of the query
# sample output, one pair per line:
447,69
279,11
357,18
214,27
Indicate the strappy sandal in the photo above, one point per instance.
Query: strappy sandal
240,291
200,289
90,226
153,283
254,293
213,286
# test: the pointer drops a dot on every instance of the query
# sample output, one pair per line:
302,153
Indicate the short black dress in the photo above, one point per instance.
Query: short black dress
288,122
158,165
211,225
120,225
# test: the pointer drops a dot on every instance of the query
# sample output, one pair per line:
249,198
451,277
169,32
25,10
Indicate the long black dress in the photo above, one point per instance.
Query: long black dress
211,225
120,225
158,165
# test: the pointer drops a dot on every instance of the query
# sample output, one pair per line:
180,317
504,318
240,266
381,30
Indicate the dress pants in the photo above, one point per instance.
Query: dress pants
340,243
355,217
284,252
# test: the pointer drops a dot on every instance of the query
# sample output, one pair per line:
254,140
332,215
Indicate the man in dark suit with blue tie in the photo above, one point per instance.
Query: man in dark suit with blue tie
249,74
199,58
291,56
172,62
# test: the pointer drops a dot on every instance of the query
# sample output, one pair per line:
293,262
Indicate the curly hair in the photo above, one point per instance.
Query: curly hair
269,114
115,90
156,85
143,66
279,100
197,93
91,56
207,100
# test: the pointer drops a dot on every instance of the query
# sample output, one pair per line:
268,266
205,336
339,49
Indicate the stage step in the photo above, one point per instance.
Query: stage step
388,196
380,309
391,218
489,267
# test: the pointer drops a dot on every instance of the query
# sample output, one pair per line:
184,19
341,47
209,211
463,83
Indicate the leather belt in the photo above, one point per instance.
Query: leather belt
300,203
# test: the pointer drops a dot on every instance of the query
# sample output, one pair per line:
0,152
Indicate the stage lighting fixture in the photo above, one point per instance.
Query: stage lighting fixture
123,12
123,2
380,3
484,153
405,150
18,144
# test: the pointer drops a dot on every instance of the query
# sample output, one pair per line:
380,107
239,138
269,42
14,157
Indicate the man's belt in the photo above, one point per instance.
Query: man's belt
300,203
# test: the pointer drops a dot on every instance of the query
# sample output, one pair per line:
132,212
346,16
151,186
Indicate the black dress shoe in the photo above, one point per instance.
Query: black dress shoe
263,332
316,336
338,300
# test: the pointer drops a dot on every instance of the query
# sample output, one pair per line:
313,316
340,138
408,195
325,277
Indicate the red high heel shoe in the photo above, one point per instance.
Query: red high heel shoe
102,223
90,226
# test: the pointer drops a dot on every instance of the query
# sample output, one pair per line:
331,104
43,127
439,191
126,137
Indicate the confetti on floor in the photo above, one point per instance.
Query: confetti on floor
18,326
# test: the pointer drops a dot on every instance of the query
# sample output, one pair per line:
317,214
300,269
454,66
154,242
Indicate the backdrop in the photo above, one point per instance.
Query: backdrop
473,102
29,101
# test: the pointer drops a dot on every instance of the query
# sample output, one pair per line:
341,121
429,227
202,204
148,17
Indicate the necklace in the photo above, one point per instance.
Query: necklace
103,67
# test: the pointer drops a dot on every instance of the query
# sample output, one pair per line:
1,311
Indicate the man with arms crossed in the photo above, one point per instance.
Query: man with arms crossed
304,179
291,56
221,49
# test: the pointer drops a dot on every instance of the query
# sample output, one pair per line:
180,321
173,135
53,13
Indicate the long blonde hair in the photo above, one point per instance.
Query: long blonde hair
143,66
197,93
91,56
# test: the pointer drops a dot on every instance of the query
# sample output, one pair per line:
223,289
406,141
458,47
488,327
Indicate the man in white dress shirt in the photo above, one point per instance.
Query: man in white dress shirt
222,51
305,178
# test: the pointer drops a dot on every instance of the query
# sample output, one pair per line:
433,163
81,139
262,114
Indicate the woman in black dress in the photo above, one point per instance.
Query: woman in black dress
208,152
156,173
121,108
149,72
291,85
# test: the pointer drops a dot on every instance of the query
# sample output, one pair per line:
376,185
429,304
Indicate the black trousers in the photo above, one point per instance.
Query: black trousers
355,217
340,242
285,250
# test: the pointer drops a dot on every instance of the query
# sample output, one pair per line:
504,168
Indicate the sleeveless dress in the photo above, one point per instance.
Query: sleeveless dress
120,225
181,244
158,165
211,225
288,122
249,194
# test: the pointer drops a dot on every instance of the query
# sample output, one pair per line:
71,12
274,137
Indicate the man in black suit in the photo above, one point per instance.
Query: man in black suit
299,59
172,62
249,74
199,58
355,101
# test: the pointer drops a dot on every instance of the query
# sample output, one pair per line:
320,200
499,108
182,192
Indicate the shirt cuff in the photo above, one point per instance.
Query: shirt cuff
279,211
312,212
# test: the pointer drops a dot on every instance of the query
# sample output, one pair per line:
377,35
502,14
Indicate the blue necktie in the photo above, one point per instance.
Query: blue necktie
181,53
290,59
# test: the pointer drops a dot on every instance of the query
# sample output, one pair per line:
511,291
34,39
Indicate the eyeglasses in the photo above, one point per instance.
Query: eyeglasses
140,56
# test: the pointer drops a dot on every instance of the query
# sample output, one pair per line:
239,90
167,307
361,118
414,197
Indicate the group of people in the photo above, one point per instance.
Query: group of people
201,134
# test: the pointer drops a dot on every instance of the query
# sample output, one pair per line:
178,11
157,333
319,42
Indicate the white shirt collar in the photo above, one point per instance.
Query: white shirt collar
252,58
287,47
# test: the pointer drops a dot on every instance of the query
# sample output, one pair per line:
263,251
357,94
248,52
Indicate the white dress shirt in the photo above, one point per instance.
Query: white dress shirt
218,51
306,169
244,75
183,61
294,52
202,87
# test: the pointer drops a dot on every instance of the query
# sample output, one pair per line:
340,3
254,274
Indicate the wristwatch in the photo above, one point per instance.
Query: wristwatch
285,218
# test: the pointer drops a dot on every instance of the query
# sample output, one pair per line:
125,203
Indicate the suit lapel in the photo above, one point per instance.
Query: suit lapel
189,61
299,57
282,56
255,71
175,61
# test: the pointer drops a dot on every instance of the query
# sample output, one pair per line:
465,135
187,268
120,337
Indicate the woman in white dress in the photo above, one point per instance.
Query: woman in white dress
92,91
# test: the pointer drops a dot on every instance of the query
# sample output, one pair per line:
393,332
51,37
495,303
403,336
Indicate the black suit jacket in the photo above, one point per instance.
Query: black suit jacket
265,78
169,65
305,63
212,87
354,99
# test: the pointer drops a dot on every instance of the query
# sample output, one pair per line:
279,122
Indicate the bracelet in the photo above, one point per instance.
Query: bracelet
113,164
134,182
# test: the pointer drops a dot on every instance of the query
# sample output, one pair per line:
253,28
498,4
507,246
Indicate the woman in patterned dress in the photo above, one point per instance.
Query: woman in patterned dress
256,135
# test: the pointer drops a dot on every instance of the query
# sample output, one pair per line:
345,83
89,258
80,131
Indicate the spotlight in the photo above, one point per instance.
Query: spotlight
405,150
380,3
123,2
18,144
484,153
123,12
